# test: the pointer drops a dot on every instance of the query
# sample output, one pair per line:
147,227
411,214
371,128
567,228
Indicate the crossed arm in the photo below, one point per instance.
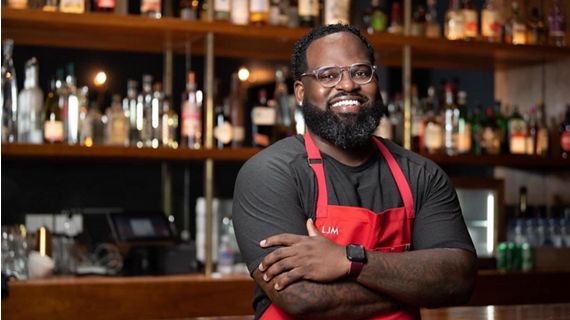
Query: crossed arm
306,277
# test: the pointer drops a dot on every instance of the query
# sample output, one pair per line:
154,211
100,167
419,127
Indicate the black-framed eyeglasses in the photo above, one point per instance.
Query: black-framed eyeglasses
330,76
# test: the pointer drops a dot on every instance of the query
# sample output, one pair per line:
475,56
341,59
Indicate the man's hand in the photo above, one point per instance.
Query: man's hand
312,257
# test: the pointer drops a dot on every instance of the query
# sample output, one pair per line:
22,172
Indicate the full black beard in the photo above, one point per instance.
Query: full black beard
348,130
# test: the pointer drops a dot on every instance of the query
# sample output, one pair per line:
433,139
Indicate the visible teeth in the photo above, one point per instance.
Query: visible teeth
345,103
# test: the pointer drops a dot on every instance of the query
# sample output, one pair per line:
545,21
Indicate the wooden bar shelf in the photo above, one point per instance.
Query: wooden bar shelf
142,34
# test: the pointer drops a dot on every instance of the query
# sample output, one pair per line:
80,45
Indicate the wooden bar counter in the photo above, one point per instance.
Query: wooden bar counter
192,296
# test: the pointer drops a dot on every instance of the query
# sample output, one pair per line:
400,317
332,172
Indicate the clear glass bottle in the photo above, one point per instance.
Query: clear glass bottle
471,24
451,121
60,87
293,14
396,26
433,134
515,27
517,132
237,113
284,118
258,12
189,9
130,105
491,22
337,11
223,126
240,12
151,8
542,137
222,10
144,106
71,121
9,98
155,116
117,126
191,131
263,117
85,125
532,132
432,25
53,125
418,120
309,13
169,124
30,107
557,25
454,26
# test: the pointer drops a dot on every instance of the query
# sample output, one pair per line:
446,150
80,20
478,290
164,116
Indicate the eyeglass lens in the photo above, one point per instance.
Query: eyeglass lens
359,73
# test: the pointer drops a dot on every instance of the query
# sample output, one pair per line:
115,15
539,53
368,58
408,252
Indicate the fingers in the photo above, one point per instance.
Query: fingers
284,239
312,229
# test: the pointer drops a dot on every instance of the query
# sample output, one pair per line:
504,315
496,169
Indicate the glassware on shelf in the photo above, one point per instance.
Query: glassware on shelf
53,125
169,125
557,25
30,107
396,25
258,12
336,11
191,131
117,126
151,8
491,22
240,12
454,26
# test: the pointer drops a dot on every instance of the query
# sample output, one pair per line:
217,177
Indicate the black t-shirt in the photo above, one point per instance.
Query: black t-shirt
275,192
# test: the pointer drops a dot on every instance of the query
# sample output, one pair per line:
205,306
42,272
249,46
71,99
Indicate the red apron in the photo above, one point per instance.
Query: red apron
387,231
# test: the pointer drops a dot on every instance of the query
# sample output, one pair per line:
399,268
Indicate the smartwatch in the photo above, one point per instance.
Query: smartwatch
356,254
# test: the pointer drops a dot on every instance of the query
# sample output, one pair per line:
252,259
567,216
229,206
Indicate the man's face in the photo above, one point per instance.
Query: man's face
346,114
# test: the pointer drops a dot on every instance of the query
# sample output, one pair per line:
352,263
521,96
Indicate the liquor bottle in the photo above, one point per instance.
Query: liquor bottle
308,13
85,125
104,6
72,6
502,117
222,9
432,25
396,117
169,124
275,15
557,25
396,26
451,121
50,5
476,131
9,98
30,108
536,29
189,9
433,135
71,109
292,14
17,4
237,113
130,108
418,27
454,26
223,126
337,11
464,132
517,131
191,131
471,25
284,124
542,137
491,134
375,19
144,108
155,115
117,126
491,22
258,12
418,118
532,132
240,12
263,121
515,27
565,134
151,8
53,125
384,128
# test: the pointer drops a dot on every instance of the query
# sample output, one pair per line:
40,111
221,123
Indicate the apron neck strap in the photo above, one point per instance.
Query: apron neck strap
316,163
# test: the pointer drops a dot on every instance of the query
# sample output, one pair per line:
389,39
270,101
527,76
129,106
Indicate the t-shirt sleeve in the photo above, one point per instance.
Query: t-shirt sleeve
265,203
439,220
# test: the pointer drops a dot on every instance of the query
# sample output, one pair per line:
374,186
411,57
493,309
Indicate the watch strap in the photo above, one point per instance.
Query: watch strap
355,269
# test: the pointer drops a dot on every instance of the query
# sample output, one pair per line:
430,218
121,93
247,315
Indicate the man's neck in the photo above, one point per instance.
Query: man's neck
352,157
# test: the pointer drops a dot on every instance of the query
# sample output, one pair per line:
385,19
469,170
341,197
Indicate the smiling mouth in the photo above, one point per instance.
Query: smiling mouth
345,106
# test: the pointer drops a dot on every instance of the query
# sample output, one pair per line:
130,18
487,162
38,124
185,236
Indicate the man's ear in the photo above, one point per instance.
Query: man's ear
299,91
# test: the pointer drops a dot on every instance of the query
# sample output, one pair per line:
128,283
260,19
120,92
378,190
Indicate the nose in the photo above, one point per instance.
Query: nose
346,83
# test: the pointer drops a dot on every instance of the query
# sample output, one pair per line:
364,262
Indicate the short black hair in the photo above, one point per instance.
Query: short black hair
299,59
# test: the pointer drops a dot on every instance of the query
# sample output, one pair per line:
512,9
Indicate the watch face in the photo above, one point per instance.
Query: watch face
355,253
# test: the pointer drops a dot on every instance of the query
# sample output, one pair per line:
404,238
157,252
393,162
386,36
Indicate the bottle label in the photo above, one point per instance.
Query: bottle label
519,33
263,116
454,26
107,4
238,133
259,5
542,142
72,6
191,124
518,143
470,23
53,131
150,6
463,143
308,8
240,12
433,139
223,132
18,4
490,23
337,12
565,141
222,5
